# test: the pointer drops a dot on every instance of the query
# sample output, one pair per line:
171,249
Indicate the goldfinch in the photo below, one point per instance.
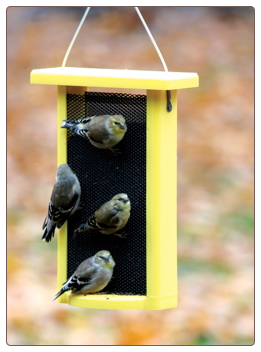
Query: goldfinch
91,276
111,217
102,131
64,201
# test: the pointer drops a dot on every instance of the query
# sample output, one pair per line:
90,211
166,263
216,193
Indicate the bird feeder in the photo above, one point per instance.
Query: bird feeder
145,275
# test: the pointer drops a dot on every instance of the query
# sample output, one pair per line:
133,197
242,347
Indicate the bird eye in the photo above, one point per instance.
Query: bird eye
106,259
116,123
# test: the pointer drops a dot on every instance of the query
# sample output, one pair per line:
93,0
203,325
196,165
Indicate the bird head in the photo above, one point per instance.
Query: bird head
63,170
117,124
121,201
104,259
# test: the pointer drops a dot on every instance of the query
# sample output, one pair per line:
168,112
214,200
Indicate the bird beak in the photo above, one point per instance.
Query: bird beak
107,259
122,126
126,200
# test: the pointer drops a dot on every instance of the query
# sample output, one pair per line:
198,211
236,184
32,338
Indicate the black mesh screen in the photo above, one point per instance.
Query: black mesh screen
102,175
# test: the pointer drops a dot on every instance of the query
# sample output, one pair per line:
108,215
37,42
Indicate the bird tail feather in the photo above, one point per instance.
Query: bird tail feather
74,126
58,294
73,123
68,124
48,233
81,228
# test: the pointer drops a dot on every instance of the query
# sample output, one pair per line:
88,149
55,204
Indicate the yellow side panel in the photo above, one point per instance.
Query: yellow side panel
161,196
61,158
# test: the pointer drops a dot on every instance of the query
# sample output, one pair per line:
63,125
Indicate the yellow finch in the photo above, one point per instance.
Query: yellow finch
64,201
91,276
102,131
111,217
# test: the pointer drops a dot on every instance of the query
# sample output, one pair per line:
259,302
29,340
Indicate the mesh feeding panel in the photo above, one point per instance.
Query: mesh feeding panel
102,175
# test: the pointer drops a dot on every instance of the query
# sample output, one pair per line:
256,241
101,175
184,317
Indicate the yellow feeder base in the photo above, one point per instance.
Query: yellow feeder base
161,178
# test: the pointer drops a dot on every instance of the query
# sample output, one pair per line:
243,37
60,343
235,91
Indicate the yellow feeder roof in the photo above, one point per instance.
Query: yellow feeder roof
114,78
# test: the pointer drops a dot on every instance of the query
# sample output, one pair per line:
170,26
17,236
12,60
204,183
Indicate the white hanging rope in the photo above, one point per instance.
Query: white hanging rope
144,24
152,39
75,36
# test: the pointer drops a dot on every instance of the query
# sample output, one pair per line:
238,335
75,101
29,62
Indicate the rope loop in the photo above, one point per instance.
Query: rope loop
144,24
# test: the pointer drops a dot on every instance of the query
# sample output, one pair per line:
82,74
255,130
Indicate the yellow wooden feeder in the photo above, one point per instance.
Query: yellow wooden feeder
145,275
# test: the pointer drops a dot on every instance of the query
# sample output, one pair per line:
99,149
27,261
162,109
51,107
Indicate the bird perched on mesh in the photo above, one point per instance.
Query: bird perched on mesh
91,276
103,132
64,201
111,217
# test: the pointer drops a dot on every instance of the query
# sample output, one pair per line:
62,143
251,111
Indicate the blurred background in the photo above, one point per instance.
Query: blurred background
215,171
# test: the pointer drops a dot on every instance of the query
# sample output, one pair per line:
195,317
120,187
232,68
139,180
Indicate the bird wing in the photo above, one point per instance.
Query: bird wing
81,127
76,283
96,129
84,120
107,218
83,276
60,214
